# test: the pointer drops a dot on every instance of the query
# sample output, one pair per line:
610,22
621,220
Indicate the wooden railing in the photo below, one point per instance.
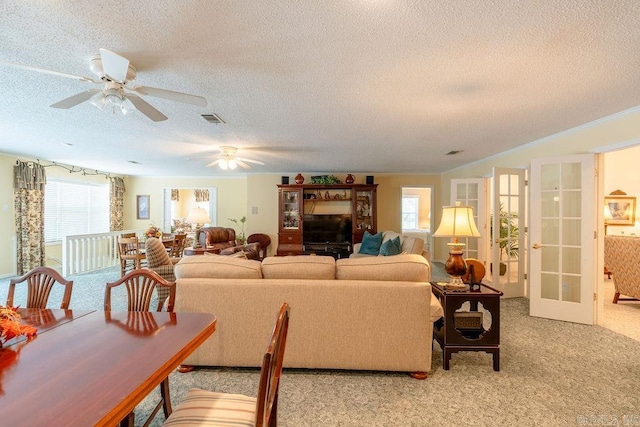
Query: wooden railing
88,252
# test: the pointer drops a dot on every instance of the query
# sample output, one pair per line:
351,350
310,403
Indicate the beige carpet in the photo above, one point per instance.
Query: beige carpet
623,317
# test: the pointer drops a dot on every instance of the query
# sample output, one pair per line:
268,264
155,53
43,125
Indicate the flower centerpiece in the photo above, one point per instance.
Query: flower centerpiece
10,326
241,238
153,231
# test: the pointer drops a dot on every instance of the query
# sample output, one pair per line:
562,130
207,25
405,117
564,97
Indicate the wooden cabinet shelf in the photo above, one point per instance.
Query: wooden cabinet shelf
312,216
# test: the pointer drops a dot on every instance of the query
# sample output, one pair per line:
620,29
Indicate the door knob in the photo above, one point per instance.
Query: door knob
537,246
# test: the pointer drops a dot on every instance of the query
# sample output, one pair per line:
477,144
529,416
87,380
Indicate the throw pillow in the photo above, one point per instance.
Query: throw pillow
370,243
391,247
239,254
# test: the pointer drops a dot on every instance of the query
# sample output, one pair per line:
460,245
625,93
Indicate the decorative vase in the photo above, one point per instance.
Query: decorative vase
349,179
299,179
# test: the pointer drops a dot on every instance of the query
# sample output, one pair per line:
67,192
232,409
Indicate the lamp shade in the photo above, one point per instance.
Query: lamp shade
198,216
457,221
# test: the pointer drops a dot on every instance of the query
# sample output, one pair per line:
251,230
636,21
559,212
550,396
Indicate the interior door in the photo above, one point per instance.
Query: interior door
471,192
563,238
508,232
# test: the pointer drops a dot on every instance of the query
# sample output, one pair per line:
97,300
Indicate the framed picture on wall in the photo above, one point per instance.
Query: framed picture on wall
620,210
142,206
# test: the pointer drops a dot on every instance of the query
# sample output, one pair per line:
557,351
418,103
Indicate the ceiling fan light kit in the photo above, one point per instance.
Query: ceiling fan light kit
115,73
227,159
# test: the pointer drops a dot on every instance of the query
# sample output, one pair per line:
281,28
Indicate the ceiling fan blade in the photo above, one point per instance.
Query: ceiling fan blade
54,73
213,163
170,95
114,66
257,162
242,164
74,100
147,109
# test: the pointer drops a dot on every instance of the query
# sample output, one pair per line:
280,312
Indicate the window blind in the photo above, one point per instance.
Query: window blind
72,208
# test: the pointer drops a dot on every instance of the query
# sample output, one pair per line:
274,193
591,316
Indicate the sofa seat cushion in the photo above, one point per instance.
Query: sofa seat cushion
403,267
299,267
208,408
218,267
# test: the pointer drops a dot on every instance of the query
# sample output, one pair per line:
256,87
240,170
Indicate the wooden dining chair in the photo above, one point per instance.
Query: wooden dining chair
177,248
207,408
140,285
40,281
129,253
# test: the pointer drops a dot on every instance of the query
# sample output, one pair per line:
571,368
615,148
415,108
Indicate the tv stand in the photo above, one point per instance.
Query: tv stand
316,206
336,250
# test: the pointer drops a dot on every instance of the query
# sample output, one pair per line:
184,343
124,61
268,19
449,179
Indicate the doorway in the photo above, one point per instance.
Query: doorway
417,218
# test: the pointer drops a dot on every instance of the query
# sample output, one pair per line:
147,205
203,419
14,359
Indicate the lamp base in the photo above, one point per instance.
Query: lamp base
455,267
456,283
196,243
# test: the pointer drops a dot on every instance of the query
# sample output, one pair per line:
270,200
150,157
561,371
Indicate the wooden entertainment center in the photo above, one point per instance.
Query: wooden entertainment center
324,219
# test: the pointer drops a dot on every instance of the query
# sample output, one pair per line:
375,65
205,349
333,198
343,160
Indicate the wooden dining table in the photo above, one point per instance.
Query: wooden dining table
91,368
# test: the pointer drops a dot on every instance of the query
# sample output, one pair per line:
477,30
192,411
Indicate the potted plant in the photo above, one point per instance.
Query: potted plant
508,229
241,237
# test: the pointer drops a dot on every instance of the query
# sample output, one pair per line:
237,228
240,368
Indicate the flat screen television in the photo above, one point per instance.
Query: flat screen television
326,229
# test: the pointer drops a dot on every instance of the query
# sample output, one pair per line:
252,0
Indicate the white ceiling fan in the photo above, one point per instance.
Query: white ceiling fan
115,74
227,159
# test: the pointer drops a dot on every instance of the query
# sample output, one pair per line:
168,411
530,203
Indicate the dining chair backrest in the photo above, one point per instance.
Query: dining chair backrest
177,249
128,235
40,281
140,285
129,253
267,400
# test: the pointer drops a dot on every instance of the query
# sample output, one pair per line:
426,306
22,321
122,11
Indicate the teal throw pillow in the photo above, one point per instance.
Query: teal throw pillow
391,247
371,243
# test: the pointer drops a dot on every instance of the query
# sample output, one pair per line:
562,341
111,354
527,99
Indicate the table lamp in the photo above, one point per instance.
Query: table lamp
457,221
199,217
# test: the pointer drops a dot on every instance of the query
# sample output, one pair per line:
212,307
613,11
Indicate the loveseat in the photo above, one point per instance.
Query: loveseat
409,245
364,313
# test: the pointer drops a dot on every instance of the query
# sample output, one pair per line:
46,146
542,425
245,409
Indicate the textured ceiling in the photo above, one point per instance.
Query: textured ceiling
381,86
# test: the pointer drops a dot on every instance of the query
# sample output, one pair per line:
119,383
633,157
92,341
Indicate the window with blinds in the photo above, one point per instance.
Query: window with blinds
72,208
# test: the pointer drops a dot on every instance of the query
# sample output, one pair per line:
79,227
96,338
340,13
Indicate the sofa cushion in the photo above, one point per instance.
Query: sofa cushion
391,247
299,267
403,267
218,267
371,243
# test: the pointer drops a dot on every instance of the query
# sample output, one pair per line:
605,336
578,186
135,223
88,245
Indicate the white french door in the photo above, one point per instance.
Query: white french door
471,192
562,229
508,232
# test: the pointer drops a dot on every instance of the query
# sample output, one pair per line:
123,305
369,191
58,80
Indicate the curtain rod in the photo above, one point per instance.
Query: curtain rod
72,169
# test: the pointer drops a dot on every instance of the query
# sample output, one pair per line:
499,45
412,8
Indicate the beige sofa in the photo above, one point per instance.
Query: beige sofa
410,245
364,313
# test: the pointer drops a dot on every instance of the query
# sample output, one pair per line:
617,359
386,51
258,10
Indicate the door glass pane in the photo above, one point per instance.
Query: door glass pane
570,288
571,203
550,231
550,177
550,204
462,191
549,286
571,232
550,259
571,260
571,176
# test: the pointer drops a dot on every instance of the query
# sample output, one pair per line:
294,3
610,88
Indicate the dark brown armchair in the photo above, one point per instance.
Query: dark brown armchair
217,237
263,241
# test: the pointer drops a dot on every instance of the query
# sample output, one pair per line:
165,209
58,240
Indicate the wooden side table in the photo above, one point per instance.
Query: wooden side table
468,329
199,251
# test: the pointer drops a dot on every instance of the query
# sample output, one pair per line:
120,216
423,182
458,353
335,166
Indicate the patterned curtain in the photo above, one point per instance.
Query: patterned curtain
29,180
201,195
175,195
116,210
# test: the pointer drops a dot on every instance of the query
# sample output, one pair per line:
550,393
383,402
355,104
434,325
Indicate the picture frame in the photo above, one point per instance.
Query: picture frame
142,206
620,210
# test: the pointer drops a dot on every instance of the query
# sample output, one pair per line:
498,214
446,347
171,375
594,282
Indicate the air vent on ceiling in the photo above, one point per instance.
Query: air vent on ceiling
452,152
213,118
